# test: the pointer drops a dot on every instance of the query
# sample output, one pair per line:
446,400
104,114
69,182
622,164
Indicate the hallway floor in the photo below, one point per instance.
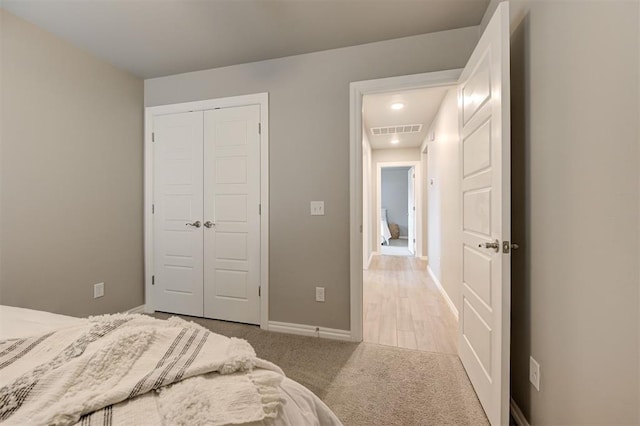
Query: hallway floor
403,307
396,247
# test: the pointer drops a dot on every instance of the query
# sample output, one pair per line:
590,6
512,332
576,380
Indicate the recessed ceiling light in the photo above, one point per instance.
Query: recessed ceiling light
397,105
395,141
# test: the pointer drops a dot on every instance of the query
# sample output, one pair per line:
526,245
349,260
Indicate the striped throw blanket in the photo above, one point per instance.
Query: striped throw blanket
135,370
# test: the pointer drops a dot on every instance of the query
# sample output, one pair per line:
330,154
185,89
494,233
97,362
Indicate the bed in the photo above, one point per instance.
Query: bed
385,233
138,370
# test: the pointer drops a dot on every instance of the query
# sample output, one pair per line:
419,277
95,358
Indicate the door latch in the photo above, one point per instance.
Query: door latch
507,247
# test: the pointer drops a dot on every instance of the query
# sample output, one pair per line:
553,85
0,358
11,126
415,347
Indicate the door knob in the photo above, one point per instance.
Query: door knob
195,224
494,245
209,224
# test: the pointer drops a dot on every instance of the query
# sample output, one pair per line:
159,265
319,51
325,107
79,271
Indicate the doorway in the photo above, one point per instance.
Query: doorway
363,221
402,304
397,199
483,110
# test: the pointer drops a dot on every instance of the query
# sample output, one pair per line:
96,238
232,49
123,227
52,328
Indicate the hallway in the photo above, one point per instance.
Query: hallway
403,307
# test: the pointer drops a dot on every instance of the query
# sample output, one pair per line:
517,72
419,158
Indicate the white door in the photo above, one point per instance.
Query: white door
178,267
411,196
484,323
232,206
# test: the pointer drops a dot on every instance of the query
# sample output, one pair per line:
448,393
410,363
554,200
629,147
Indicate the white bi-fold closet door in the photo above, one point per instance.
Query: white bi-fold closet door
206,213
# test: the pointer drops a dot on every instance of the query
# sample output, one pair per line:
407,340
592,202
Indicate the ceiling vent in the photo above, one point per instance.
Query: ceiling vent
396,130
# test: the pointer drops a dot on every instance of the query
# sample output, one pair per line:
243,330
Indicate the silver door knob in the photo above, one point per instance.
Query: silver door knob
195,224
494,245
209,224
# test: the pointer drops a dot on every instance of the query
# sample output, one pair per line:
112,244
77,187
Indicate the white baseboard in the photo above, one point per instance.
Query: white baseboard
374,253
137,310
401,237
517,414
309,330
368,262
452,306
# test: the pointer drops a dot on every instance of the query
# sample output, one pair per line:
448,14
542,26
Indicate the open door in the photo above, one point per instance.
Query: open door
411,220
484,323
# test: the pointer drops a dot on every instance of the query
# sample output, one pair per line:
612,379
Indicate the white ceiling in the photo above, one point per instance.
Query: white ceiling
152,38
420,107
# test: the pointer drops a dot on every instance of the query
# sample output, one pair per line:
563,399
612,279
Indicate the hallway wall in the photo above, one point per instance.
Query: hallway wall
443,192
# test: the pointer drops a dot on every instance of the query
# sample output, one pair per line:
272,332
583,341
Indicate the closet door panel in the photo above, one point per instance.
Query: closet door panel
178,180
231,204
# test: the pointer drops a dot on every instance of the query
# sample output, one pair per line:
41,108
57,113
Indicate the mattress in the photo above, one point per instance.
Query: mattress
301,406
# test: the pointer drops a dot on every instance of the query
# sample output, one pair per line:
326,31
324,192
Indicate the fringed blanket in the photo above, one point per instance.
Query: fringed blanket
135,370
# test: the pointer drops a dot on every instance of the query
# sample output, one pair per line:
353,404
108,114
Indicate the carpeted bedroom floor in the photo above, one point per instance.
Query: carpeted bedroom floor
368,384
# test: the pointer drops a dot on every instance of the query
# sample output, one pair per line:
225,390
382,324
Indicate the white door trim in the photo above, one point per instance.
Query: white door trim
357,91
417,200
261,99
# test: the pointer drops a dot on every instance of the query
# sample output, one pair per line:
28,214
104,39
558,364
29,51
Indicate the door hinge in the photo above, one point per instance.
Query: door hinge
259,291
259,128
361,228
259,209
153,280
153,136
153,208
414,208
414,240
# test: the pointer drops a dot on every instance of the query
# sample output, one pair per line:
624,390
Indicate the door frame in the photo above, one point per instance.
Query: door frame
356,91
260,99
414,220
417,199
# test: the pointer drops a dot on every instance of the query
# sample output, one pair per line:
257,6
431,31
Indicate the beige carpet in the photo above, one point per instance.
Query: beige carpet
368,384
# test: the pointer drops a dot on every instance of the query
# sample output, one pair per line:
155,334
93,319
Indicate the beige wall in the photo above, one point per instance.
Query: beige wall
394,155
444,200
71,176
309,154
575,78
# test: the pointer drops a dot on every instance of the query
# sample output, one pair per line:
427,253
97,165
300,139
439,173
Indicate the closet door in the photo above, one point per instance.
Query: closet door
231,214
178,179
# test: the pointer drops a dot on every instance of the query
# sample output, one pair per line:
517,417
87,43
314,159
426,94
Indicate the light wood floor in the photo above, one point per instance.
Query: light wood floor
404,308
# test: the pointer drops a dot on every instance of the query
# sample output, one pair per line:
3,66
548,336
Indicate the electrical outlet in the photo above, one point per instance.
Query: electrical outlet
534,373
98,290
319,294
317,208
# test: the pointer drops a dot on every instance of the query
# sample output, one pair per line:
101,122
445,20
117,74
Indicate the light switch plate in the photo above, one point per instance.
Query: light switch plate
534,373
319,294
98,290
317,208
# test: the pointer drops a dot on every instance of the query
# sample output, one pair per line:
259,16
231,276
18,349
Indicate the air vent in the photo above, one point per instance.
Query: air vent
396,130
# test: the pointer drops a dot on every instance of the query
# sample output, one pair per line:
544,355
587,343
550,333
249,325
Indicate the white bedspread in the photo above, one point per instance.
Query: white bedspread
20,322
284,403
385,233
